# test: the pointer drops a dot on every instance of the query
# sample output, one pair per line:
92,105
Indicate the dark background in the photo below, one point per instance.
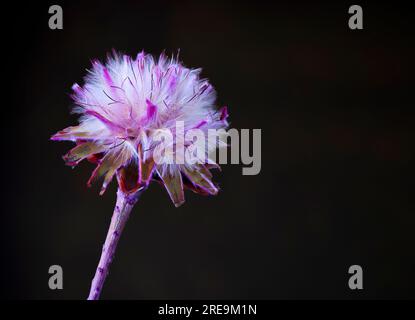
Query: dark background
336,187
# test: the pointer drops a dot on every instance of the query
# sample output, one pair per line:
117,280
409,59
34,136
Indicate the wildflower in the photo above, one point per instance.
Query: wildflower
123,106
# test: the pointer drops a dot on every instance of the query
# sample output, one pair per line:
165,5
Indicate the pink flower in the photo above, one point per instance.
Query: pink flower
123,106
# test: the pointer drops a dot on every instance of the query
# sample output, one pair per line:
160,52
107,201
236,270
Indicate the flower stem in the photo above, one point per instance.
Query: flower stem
123,207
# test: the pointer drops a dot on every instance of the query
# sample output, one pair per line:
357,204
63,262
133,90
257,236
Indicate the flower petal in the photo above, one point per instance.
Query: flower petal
174,185
223,113
146,171
146,167
200,178
81,151
71,133
151,112
189,185
108,166
127,177
91,128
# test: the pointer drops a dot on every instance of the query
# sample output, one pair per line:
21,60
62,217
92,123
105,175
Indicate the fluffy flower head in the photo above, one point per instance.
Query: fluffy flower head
124,104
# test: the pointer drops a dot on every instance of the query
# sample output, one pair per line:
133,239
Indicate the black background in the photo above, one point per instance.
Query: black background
336,187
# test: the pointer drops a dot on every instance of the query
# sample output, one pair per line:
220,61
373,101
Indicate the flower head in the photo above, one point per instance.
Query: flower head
125,104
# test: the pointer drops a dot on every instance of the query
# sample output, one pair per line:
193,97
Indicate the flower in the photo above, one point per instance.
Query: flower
123,106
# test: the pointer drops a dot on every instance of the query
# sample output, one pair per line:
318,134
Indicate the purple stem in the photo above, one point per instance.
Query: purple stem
123,207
